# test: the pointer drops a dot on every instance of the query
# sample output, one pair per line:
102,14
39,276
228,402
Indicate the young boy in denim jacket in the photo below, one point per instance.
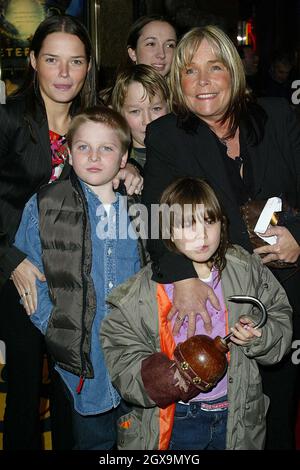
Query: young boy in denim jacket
78,233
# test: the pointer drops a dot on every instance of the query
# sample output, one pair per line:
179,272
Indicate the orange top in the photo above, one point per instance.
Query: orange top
167,345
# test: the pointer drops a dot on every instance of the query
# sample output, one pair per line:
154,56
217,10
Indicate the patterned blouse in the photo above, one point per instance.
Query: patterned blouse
59,153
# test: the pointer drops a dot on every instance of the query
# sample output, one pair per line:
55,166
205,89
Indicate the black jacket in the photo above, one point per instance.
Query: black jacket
25,165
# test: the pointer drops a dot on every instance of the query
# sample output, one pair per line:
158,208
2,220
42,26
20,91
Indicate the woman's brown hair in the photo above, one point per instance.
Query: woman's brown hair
190,192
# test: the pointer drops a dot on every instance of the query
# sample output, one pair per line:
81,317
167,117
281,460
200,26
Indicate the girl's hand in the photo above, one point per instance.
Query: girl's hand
132,179
190,297
285,249
24,278
243,332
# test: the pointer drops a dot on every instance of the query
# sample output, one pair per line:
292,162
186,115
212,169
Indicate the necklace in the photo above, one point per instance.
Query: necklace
238,160
223,141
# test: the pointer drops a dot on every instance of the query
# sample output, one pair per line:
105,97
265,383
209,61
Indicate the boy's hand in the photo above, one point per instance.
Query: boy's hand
243,332
24,278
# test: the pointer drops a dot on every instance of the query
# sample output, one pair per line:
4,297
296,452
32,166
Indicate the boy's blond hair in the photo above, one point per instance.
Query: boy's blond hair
102,115
152,82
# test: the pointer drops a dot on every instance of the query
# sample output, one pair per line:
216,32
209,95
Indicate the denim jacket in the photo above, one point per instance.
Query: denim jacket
114,260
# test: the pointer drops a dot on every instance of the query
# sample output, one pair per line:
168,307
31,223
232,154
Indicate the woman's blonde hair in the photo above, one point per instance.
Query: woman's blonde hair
227,53
152,82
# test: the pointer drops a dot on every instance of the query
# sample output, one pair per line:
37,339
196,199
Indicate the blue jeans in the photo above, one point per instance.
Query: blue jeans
95,432
197,429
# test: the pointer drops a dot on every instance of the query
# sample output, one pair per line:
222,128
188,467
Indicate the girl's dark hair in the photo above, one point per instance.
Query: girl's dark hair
55,24
187,193
136,29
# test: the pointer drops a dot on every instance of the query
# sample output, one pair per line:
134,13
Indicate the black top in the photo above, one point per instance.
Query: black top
241,186
25,166
175,150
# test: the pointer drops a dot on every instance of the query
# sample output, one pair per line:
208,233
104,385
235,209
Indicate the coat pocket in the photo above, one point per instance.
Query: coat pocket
256,405
129,429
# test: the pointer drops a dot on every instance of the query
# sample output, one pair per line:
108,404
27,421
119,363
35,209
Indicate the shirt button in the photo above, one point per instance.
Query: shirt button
110,285
109,251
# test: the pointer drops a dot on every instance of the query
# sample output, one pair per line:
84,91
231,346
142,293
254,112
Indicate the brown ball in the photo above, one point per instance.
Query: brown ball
202,360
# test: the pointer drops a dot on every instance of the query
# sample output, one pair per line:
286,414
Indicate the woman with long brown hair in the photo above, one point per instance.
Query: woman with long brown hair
33,152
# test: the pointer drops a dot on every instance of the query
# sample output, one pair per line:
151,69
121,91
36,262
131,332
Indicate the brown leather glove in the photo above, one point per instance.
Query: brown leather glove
164,383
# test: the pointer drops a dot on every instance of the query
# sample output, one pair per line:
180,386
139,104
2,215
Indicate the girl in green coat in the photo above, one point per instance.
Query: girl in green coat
169,410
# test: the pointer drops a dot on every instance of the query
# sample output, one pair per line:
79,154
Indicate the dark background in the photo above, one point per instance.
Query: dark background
276,22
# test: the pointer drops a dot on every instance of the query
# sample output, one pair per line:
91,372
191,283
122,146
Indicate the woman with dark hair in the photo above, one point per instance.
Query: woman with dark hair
247,151
152,41
34,152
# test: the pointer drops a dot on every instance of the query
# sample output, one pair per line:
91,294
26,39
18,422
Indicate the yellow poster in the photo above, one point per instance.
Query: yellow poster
18,22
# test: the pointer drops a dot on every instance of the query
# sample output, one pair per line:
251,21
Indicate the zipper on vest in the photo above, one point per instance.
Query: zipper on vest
84,292
80,383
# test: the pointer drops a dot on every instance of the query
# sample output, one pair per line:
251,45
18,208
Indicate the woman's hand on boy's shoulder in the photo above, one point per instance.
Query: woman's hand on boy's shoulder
132,179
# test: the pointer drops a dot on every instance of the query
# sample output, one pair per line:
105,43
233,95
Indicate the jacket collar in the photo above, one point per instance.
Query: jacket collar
38,124
213,167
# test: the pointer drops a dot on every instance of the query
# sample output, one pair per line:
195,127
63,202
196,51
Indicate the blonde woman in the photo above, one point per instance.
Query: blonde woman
246,150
